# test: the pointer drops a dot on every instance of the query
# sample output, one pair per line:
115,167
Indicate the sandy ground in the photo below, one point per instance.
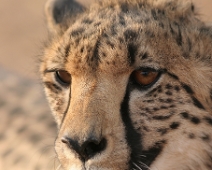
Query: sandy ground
23,31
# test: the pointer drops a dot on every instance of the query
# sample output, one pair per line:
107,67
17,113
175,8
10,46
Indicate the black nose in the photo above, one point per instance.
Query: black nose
87,149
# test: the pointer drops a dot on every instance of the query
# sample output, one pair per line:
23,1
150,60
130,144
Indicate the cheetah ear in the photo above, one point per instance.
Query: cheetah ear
61,13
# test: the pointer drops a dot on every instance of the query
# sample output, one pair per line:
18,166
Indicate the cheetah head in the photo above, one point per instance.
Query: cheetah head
129,84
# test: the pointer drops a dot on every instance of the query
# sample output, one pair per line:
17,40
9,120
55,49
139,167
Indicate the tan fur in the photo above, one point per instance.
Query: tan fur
97,51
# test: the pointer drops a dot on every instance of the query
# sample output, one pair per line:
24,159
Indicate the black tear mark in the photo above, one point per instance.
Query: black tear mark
151,154
198,103
132,136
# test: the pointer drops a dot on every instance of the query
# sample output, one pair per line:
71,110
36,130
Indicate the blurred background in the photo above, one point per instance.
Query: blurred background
27,130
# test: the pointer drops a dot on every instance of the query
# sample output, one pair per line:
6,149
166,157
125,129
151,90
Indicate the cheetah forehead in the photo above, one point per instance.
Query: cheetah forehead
120,31
119,36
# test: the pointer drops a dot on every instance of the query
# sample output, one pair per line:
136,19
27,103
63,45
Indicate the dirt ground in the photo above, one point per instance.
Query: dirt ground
23,31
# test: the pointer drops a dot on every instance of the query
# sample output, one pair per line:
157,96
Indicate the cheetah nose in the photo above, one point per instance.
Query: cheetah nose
88,148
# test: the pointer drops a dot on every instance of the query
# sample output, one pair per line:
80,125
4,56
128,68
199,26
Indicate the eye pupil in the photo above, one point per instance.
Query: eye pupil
145,73
63,77
145,77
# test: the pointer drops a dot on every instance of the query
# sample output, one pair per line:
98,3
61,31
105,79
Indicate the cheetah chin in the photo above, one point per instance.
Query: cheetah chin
129,83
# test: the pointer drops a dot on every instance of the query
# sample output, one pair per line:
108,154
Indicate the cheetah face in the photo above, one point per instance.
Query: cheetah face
129,85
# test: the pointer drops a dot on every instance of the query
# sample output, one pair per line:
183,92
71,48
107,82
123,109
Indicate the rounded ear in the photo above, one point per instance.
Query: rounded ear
61,13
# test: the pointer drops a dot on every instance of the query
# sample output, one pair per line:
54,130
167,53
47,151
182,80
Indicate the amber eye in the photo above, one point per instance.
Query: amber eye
145,77
63,77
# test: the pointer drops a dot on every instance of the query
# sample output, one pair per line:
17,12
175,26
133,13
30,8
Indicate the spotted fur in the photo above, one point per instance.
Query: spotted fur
108,121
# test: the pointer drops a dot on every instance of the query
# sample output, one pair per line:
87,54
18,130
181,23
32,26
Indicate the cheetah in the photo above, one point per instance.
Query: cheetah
129,83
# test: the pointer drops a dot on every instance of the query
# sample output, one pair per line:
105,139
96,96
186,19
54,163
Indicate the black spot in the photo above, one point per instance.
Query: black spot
155,109
197,103
189,44
185,115
124,7
109,43
192,7
149,101
154,14
169,93
67,50
163,107
168,100
177,88
187,88
121,40
160,90
179,37
144,56
113,30
174,125
205,137
53,87
122,20
150,34
77,32
132,50
208,120
169,86
171,106
159,117
161,12
195,120
97,24
161,25
87,21
191,135
95,56
162,131
130,35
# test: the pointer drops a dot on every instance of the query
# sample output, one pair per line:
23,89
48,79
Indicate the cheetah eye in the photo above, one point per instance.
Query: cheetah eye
145,77
63,77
